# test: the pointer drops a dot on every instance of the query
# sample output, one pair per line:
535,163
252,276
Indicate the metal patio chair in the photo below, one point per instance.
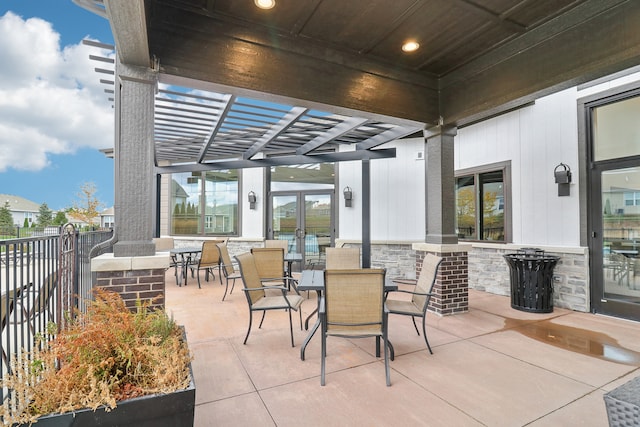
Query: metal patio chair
353,307
257,298
420,295
270,264
208,260
342,258
228,269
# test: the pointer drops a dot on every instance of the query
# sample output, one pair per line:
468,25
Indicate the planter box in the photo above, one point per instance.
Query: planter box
160,410
156,410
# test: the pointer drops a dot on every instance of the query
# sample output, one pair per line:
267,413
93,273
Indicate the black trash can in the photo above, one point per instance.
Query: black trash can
531,273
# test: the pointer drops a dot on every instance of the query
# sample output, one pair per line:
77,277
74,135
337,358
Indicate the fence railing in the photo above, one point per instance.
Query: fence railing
32,288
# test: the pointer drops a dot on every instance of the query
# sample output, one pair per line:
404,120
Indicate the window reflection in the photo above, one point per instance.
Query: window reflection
205,203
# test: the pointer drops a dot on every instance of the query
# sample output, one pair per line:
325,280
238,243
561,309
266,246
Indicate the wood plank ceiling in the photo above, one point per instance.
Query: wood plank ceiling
331,72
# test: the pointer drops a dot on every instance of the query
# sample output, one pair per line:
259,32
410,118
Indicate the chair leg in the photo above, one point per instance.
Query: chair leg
424,333
225,290
263,313
291,328
220,273
414,325
323,353
386,359
199,287
249,329
233,285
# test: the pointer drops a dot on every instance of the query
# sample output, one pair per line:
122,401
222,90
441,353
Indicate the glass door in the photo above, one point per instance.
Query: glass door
614,198
305,219
618,287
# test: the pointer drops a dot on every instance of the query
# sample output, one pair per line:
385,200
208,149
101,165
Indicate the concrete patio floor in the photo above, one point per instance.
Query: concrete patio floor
493,366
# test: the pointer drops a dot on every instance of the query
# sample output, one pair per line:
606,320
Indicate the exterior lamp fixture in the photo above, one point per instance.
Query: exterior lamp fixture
252,200
562,174
265,4
348,196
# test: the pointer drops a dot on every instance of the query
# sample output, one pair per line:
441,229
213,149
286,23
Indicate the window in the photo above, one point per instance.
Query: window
632,198
205,203
481,203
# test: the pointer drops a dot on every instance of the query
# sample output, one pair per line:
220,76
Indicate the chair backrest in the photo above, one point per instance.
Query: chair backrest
210,256
6,306
427,279
163,244
284,244
250,278
226,260
269,262
45,293
354,299
342,258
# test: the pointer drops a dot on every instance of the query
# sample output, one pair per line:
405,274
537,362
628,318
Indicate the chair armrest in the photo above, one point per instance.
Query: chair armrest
403,281
274,279
424,294
264,287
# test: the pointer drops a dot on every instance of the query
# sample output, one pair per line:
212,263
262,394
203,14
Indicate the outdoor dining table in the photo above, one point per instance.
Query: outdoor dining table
290,258
185,255
313,280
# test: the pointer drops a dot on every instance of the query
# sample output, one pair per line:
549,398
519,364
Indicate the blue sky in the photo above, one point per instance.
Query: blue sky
54,115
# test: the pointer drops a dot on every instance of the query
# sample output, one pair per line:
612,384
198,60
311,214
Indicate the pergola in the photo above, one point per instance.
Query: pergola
339,68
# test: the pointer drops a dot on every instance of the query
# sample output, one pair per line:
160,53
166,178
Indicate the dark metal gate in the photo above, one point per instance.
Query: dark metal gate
67,273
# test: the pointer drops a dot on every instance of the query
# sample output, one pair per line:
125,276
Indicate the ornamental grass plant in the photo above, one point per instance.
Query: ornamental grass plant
106,355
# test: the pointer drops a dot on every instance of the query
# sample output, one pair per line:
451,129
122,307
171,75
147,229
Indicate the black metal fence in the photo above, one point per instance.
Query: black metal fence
35,276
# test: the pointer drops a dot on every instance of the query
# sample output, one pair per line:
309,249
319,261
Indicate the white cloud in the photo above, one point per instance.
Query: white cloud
51,101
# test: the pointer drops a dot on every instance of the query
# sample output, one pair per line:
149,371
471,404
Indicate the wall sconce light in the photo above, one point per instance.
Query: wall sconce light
562,175
252,200
348,196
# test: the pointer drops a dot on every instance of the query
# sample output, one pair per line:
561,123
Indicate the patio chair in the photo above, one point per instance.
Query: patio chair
164,244
208,260
228,269
421,295
353,307
40,303
284,244
258,299
342,258
270,265
7,305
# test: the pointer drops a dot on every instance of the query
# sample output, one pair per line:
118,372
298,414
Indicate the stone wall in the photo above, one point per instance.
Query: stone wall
489,272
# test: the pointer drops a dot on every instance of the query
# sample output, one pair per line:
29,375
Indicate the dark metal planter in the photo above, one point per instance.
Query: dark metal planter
174,409
160,410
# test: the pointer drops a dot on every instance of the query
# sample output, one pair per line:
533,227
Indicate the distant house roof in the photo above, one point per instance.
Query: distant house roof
19,204
108,211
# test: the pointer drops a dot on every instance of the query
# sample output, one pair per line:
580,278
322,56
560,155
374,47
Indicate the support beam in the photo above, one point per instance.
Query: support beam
440,185
366,214
134,157
344,156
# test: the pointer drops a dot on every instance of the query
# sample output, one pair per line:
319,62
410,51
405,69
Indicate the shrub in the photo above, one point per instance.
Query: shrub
106,355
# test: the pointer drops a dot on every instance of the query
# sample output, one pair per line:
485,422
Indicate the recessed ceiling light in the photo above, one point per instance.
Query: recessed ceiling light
265,4
410,46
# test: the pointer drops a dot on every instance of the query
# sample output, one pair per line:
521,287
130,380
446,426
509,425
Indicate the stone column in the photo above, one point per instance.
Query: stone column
135,187
452,283
440,185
